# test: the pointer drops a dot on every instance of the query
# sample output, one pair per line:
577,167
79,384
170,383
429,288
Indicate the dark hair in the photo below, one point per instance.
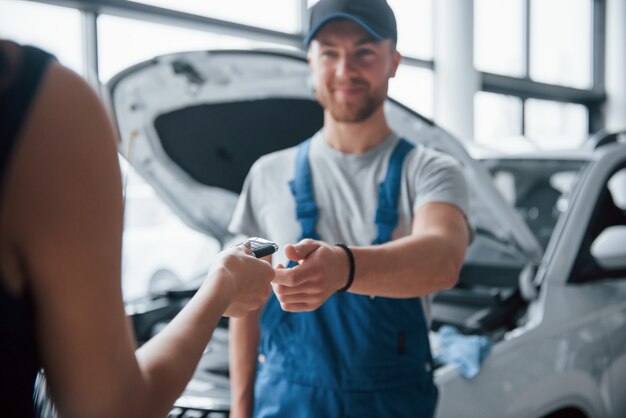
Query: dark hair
4,62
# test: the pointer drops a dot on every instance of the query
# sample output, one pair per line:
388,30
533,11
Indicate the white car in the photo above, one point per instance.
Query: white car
564,353
159,250
556,316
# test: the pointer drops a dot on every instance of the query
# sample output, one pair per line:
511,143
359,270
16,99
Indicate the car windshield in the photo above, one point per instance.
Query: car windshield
538,188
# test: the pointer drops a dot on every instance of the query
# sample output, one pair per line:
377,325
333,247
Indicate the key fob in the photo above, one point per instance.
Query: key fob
261,247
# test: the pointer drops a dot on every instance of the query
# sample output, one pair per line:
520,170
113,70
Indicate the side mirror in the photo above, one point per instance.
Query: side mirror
609,249
527,286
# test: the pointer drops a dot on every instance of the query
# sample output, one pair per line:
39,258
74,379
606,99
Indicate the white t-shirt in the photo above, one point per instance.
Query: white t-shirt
346,192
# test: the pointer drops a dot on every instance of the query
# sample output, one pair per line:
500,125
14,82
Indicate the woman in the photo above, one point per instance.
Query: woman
61,215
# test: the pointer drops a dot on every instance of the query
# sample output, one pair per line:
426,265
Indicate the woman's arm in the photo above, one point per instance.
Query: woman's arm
244,335
63,219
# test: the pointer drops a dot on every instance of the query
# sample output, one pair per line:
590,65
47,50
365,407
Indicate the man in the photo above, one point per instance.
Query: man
345,333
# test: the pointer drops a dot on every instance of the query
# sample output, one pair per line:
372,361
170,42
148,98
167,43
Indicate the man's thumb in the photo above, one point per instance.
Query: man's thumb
301,250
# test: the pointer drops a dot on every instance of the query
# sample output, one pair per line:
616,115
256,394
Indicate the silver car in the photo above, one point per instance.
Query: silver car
565,353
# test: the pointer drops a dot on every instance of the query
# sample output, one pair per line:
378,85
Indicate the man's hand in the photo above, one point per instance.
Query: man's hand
323,269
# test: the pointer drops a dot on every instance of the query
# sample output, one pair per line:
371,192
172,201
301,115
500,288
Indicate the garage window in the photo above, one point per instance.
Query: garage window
499,36
498,117
551,60
556,125
58,30
560,42
249,12
124,42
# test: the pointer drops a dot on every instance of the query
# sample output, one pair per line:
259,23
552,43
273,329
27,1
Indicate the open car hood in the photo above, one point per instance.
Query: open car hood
193,123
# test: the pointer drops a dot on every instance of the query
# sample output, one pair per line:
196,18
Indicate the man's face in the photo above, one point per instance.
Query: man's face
351,70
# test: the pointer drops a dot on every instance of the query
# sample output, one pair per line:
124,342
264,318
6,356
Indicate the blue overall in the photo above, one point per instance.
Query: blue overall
355,356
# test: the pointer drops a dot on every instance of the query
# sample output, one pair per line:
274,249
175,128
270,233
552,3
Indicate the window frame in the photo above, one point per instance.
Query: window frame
91,9
523,87
526,88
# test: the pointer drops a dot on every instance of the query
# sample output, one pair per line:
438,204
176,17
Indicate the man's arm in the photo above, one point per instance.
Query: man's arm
426,261
243,341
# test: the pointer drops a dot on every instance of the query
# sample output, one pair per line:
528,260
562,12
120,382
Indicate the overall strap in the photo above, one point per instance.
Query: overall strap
302,189
306,214
389,192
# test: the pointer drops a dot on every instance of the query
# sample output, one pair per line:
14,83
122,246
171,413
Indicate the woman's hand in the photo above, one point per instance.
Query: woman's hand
244,279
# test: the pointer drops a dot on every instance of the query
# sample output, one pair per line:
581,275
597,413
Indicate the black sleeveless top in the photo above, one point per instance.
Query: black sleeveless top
18,355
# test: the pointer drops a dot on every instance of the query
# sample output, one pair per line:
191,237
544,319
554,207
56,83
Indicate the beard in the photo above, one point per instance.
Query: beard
351,112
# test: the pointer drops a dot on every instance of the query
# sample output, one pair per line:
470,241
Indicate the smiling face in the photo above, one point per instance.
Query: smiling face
351,70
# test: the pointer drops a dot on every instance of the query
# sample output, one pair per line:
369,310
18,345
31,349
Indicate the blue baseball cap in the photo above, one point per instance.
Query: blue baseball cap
375,16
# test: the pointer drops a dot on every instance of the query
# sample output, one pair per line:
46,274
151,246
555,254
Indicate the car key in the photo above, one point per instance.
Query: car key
261,247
